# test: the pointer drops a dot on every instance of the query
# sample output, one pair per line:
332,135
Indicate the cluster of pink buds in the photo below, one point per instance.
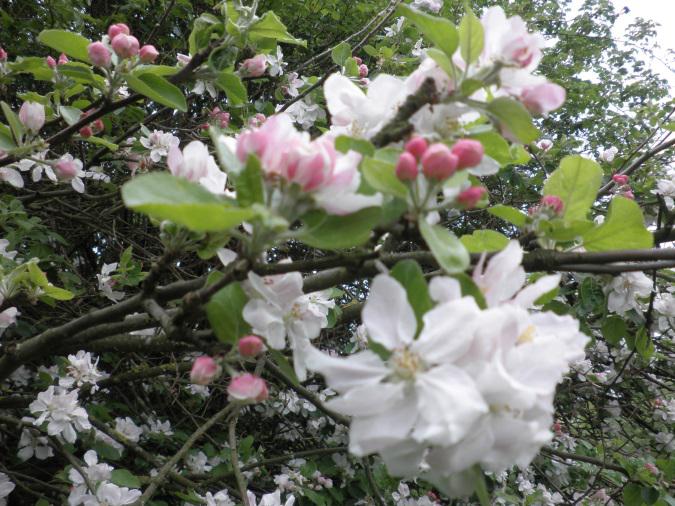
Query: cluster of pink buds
219,117
440,162
52,63
257,120
624,188
123,44
92,128
550,206
248,388
363,68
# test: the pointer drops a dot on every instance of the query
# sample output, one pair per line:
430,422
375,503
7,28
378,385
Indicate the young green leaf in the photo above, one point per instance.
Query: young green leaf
576,182
449,251
471,37
515,118
623,228
158,89
224,312
73,44
439,31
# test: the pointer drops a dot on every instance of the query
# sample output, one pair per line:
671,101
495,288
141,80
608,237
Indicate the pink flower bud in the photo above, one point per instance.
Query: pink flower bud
651,468
204,370
99,54
358,60
248,387
97,125
125,46
221,118
543,98
253,67
148,54
116,29
469,153
406,167
553,202
204,126
438,162
363,70
3,55
51,62
32,116
471,196
545,144
629,194
417,146
257,120
250,346
620,179
67,167
86,131
63,59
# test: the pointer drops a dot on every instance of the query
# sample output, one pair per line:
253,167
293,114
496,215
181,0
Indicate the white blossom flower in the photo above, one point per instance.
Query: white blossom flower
154,426
61,411
11,176
109,494
195,164
128,428
278,309
10,255
159,143
276,63
7,316
31,444
198,463
395,29
221,498
81,371
664,304
106,282
293,83
665,187
202,86
6,487
625,290
273,499
607,155
430,5
306,113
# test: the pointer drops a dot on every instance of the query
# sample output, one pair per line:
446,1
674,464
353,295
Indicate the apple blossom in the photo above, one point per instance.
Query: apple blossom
81,371
469,153
68,168
204,370
438,162
113,495
159,143
628,193
31,444
250,346
51,62
115,29
32,116
99,54
625,289
431,5
125,46
62,413
363,70
417,146
195,164
552,202
221,118
86,131
247,387
607,155
545,144
253,67
6,485
128,428
470,197
543,98
276,62
63,59
7,317
148,53
406,167
273,499
620,179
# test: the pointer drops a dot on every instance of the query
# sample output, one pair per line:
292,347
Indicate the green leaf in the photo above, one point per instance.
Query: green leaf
576,182
443,61
13,121
495,147
382,177
225,313
326,231
202,29
225,155
351,67
439,31
515,118
100,141
57,293
124,478
158,89
614,329
484,240
446,248
160,70
6,139
561,230
249,183
411,277
508,213
70,115
80,73
166,197
632,495
73,44
643,344
340,53
623,229
344,143
235,90
271,27
284,365
471,37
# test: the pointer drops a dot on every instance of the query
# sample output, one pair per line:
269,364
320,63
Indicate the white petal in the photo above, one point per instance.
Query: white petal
403,459
532,292
343,374
387,314
368,400
444,289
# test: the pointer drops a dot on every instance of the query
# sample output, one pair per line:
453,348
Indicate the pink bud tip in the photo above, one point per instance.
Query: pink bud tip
469,153
66,168
97,125
51,62
204,370
254,67
32,116
438,162
363,70
651,468
620,179
3,55
204,126
358,60
629,194
248,387
250,346
406,167
148,54
417,146
116,29
553,202
99,54
86,131
125,46
470,197
63,59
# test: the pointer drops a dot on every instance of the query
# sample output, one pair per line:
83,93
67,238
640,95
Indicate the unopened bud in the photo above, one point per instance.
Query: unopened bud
250,346
253,67
3,55
86,131
99,54
406,167
438,162
116,29
469,153
51,62
470,197
32,116
363,70
148,53
63,59
417,146
620,179
248,388
553,202
125,46
358,60
204,370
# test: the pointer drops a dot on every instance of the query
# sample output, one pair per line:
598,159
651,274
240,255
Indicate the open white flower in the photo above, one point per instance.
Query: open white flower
128,428
109,494
106,282
625,290
278,309
31,444
416,397
81,371
6,487
221,498
273,499
61,411
159,143
276,63
195,164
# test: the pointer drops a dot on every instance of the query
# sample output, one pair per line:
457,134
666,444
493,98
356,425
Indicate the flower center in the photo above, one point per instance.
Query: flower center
527,335
406,364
